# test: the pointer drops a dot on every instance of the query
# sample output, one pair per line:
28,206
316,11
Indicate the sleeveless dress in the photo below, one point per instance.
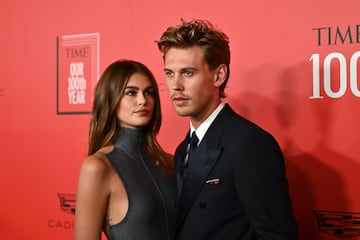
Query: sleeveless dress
151,191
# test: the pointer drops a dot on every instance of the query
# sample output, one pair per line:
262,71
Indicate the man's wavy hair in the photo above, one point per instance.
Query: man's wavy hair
213,42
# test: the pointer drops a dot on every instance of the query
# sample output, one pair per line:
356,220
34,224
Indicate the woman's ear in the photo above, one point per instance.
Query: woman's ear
220,76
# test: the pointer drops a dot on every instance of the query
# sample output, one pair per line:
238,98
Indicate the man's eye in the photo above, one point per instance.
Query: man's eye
169,73
188,73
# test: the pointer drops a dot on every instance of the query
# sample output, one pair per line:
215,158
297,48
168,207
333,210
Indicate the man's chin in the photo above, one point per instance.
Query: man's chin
182,112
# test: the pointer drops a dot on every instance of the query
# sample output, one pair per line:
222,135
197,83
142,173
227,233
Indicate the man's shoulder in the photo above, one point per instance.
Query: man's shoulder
228,116
237,124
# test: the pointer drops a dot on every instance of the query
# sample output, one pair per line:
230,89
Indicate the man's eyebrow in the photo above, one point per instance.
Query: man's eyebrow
182,69
188,68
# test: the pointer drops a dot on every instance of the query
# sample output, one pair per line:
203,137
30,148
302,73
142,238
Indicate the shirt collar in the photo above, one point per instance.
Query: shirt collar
202,129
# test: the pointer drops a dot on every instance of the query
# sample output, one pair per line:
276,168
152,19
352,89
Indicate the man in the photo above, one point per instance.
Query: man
233,184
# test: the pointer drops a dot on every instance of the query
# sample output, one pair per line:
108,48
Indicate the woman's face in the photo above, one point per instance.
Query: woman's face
136,106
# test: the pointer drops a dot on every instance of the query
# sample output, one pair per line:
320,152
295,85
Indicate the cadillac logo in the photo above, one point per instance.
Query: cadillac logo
67,202
340,224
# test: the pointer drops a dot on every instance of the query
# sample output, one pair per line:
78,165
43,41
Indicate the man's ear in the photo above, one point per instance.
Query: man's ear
221,74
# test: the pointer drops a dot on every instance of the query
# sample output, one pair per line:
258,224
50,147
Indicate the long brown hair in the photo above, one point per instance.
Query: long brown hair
108,93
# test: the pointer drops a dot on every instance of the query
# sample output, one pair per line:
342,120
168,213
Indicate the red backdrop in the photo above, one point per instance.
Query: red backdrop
294,71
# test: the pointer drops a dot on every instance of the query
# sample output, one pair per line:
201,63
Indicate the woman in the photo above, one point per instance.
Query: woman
126,185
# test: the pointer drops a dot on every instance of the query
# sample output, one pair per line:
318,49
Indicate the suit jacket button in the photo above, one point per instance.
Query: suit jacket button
202,205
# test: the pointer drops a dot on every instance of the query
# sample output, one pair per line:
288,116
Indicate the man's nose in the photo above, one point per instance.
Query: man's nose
177,84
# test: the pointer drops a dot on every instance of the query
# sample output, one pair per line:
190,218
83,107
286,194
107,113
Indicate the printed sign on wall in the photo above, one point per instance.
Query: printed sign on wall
77,72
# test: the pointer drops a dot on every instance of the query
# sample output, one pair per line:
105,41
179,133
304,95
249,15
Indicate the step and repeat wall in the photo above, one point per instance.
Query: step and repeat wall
294,71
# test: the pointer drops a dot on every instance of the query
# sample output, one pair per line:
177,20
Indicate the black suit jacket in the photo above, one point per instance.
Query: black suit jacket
235,186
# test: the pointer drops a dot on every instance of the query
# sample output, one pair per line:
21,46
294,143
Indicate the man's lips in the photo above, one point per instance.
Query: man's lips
180,100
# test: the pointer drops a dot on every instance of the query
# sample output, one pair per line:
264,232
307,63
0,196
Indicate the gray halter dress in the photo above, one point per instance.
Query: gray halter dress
151,191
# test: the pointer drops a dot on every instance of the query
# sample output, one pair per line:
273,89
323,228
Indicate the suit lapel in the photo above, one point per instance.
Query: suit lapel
178,159
199,168
202,163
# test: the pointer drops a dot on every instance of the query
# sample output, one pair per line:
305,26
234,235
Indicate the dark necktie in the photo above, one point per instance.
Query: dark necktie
192,147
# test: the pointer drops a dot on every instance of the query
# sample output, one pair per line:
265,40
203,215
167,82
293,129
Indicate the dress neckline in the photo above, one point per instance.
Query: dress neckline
130,140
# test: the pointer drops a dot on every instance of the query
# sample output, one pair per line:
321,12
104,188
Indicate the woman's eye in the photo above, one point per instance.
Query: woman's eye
131,93
150,93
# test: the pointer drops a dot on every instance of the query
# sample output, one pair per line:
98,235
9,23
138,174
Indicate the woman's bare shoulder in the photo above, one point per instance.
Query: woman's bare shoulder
97,163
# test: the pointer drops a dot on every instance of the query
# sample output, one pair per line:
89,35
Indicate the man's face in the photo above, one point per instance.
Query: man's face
191,83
